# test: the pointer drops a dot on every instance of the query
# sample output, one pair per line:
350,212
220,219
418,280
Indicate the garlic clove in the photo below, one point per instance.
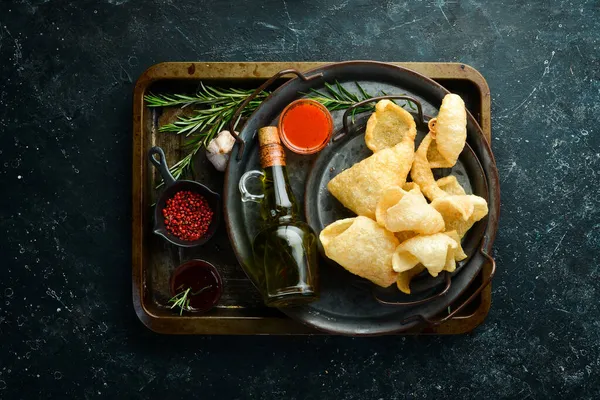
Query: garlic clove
219,161
219,149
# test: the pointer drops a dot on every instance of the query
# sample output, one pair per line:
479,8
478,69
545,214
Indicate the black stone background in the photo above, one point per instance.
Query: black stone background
67,327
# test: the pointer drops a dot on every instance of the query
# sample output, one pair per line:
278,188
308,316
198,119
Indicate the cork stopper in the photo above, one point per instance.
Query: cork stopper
271,150
268,135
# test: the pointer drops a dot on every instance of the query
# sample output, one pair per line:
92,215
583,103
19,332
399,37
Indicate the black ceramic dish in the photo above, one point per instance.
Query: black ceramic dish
345,308
173,186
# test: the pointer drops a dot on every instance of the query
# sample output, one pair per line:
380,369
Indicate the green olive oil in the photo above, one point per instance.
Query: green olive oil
286,247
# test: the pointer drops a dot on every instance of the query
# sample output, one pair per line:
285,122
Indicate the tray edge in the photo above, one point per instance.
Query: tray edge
262,70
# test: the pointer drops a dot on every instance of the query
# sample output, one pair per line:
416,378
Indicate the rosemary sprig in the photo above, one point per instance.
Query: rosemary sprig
215,110
337,97
186,162
181,300
206,95
209,121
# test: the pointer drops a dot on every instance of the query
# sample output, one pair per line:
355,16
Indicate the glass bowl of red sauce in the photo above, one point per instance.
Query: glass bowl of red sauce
305,126
203,281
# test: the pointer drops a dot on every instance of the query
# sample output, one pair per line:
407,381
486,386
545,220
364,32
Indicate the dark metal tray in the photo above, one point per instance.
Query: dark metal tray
241,310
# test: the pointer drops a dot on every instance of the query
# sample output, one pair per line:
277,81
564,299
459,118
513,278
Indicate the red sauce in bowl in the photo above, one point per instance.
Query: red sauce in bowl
305,126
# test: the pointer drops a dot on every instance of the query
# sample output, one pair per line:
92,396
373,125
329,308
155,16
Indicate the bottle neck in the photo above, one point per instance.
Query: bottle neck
279,204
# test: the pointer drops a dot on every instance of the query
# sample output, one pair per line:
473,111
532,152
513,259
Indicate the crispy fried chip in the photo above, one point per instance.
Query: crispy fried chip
450,185
455,207
404,236
405,277
389,198
449,132
435,252
362,247
360,187
399,210
408,186
389,125
436,160
421,171
461,212
459,253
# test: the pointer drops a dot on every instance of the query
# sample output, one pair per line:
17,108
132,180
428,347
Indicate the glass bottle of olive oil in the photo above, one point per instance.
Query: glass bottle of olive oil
286,247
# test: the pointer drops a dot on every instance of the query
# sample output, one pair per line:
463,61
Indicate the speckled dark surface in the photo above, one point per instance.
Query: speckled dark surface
67,326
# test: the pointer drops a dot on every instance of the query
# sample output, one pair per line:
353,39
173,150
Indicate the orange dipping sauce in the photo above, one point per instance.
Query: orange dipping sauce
305,126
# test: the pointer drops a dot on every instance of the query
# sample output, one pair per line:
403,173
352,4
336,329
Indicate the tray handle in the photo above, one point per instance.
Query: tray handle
434,322
236,116
349,110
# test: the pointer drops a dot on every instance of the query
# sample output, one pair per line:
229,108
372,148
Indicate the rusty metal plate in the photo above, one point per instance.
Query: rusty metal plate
241,310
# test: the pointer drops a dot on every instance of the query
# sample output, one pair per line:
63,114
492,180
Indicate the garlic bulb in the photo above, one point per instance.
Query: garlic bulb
219,148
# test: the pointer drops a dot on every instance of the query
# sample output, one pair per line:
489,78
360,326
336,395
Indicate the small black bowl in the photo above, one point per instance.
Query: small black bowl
172,187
